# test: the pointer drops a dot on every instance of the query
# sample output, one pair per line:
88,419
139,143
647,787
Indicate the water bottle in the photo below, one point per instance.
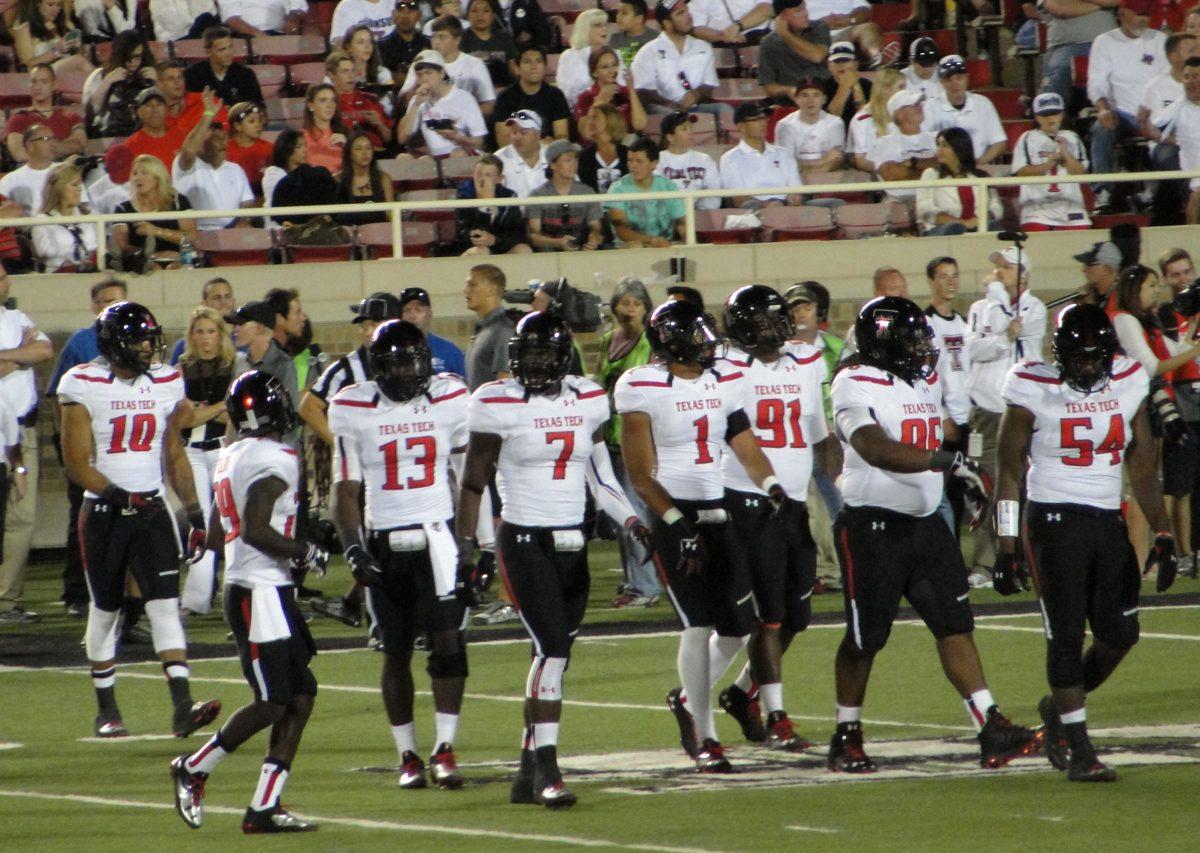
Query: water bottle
187,253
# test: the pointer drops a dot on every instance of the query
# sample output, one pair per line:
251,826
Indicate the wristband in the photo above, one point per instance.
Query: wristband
208,114
768,481
1008,515
672,515
942,460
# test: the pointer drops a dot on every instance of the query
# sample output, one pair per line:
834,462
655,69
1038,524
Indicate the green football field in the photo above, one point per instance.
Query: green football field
60,789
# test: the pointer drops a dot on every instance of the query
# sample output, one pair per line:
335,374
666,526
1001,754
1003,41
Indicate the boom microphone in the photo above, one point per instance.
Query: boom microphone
1012,236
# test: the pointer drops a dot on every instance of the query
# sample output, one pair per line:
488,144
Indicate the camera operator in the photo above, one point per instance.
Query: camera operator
580,311
1143,337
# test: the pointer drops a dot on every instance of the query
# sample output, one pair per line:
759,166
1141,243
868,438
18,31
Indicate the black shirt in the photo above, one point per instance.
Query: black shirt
136,241
851,106
239,84
589,167
549,102
495,52
397,54
302,186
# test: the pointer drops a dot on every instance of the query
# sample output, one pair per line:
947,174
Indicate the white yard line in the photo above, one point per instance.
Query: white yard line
823,830
1145,635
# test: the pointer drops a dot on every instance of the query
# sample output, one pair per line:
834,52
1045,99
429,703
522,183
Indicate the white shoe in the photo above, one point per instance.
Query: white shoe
979,579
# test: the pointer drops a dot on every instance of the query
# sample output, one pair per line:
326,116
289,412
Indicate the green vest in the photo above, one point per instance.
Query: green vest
831,350
610,372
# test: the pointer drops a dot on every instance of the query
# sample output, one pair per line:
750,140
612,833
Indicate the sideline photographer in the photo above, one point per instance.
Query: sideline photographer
580,310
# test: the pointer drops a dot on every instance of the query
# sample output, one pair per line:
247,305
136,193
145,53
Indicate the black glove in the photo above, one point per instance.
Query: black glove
315,560
689,546
778,497
197,537
640,533
464,577
1163,555
122,499
977,483
363,567
1008,577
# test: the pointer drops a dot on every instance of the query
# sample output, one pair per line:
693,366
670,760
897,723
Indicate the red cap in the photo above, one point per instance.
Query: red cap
118,161
1140,7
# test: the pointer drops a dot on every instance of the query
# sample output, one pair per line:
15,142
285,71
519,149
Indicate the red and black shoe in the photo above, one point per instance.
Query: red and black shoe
274,820
711,758
1057,751
781,735
1087,767
687,725
189,718
737,703
412,771
846,753
443,769
1000,740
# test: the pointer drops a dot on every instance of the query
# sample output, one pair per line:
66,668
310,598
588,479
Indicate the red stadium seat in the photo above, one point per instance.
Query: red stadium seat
710,227
319,17
421,174
1106,221
455,170
14,90
190,50
1014,129
305,74
797,223
888,15
862,220
288,50
979,73
568,10
1007,102
285,110
725,59
270,79
375,240
232,247
430,195
70,85
737,91
159,49
319,254
748,60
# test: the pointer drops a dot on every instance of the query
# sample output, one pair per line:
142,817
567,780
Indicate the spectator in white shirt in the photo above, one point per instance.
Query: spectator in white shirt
958,107
850,20
1122,61
448,117
263,17
466,72
676,72
943,211
873,120
921,73
109,187
101,20
1165,197
731,22
373,14
905,153
524,158
26,185
815,138
754,162
1182,121
687,167
58,245
589,37
203,174
1050,150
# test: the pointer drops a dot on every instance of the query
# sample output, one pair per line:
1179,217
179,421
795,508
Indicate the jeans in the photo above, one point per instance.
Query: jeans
1104,143
638,574
1057,68
1169,196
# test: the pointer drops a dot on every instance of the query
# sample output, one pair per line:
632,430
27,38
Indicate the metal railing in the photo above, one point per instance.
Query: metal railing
397,209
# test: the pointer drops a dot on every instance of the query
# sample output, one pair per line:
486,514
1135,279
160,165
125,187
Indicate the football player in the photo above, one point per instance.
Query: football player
678,416
393,439
1076,422
122,420
256,493
776,549
543,431
887,403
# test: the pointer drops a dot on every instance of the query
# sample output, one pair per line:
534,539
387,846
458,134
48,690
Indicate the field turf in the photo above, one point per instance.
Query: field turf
60,790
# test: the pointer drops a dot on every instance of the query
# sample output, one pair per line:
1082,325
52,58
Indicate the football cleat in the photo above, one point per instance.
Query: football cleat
189,792
555,796
711,758
1057,752
443,769
196,716
1000,741
687,727
738,704
277,819
846,753
781,735
106,727
1086,767
412,771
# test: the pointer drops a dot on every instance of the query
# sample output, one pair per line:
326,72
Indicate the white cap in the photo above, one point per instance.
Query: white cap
1009,254
904,98
527,119
429,56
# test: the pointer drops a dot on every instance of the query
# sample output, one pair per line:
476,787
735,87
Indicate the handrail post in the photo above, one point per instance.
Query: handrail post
101,246
397,233
689,220
982,214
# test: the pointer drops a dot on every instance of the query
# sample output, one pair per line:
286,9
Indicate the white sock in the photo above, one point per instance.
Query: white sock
545,734
405,736
721,652
849,714
772,697
446,726
977,707
745,681
693,674
1079,716
270,785
206,758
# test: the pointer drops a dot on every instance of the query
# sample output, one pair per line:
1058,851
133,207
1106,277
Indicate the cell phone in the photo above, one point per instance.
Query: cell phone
439,123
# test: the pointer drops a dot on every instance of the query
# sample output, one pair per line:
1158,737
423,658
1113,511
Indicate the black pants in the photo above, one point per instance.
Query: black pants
549,588
406,603
777,553
143,542
74,583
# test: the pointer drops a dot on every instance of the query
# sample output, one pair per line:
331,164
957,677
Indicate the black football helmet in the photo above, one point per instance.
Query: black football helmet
682,333
756,316
258,404
539,353
401,360
893,335
122,331
1084,346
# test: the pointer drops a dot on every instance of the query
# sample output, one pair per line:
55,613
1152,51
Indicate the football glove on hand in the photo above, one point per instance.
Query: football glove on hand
464,577
363,567
197,538
640,533
777,497
689,546
1008,575
977,488
1163,556
315,560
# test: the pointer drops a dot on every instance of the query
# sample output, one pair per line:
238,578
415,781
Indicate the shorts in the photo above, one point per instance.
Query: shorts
144,542
407,604
719,595
278,670
1085,571
888,555
777,553
548,588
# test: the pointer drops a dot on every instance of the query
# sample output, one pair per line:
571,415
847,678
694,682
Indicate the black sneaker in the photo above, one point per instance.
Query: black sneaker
1086,767
549,790
443,769
189,718
1000,741
337,608
711,758
1057,752
846,753
687,726
189,792
412,771
277,819
781,735
738,704
110,727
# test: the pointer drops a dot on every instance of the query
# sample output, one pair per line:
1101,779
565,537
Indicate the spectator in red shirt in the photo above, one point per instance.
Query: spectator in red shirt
605,68
324,131
246,146
155,138
184,108
360,110
69,135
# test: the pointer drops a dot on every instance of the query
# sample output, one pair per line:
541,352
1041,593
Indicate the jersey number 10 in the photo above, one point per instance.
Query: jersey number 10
141,433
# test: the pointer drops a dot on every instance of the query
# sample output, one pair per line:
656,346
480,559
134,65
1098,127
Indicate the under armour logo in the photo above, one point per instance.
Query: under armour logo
789,368
710,386
1147,59
879,525
420,410
524,537
752,502
145,389
1054,516
437,525
570,401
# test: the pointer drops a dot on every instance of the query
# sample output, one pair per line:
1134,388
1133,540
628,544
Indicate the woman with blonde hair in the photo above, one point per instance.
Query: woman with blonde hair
604,160
209,364
61,247
873,120
324,132
589,36
146,245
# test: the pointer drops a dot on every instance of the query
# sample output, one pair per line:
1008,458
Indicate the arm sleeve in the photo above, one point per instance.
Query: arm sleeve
643,67
483,417
1098,71
70,389
347,464
474,120
1034,333
627,399
602,482
709,78
1133,341
927,209
983,344
993,129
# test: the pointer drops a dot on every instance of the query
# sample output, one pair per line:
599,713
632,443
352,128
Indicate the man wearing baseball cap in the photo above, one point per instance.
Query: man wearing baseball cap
796,50
907,152
959,107
921,73
564,227
754,162
447,117
153,136
524,157
254,331
465,71
847,91
417,309
676,72
1050,150
1101,264
1123,61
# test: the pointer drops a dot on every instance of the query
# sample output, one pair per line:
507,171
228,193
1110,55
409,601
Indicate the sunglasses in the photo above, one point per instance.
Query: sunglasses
407,6
236,117
42,139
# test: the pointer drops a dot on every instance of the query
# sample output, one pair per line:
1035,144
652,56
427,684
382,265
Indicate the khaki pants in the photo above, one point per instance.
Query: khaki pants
987,425
18,527
821,526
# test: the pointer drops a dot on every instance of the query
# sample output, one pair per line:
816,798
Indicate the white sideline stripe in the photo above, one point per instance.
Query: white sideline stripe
1145,635
821,829
11,745
358,823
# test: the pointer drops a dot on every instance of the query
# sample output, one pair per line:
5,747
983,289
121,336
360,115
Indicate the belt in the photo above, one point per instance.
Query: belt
29,419
207,444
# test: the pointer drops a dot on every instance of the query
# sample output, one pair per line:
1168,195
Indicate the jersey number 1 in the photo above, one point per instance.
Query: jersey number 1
141,433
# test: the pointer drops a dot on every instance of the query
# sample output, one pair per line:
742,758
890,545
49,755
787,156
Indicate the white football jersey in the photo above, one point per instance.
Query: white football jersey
787,413
688,420
129,419
547,442
1079,439
954,363
240,466
692,170
911,414
400,451
1050,204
